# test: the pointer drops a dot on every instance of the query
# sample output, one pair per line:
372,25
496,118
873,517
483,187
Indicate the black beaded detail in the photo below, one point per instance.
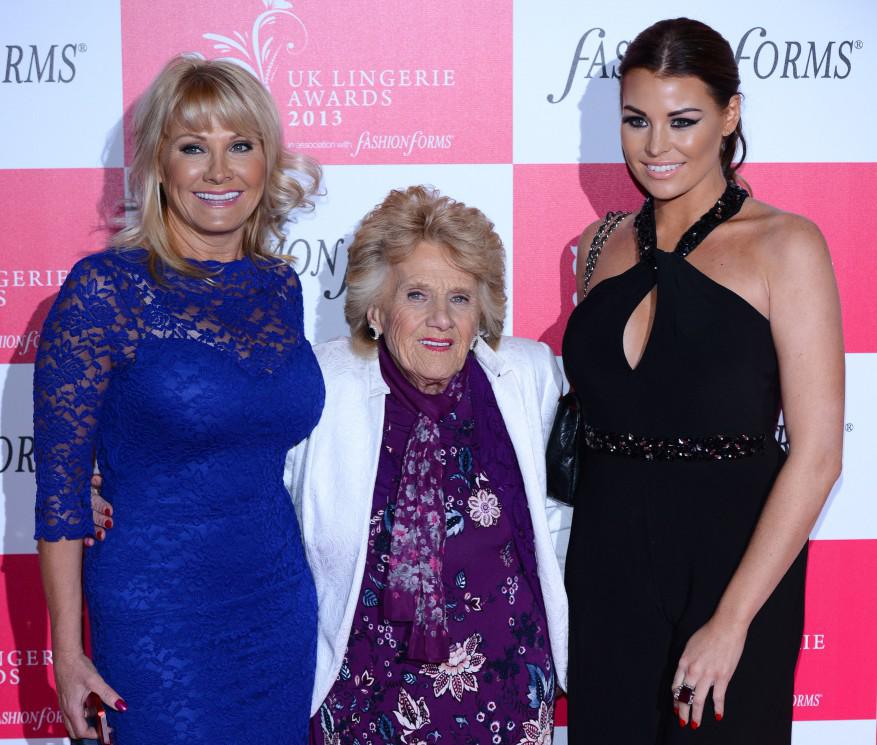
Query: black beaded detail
725,208
710,447
607,227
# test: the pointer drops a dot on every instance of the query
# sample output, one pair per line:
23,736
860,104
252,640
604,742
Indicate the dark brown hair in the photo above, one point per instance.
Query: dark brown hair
679,47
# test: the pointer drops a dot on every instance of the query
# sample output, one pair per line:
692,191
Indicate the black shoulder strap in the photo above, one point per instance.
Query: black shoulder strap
607,227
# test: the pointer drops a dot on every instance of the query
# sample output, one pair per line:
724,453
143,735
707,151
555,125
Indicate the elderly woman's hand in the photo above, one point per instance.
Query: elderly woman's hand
101,512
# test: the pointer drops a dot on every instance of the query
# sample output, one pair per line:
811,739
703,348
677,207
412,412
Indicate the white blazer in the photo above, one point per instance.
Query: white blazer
331,476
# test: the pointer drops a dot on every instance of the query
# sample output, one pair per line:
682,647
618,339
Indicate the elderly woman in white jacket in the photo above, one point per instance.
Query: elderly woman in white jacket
422,498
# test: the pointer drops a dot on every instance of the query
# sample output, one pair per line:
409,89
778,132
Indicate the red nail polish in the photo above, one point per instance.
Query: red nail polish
681,722
108,523
99,534
694,725
718,717
107,511
121,705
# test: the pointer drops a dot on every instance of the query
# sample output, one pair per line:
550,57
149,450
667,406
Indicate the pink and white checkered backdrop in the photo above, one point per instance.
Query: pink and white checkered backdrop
507,105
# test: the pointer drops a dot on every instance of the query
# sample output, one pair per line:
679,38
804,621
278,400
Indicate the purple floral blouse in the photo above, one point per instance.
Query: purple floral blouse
497,683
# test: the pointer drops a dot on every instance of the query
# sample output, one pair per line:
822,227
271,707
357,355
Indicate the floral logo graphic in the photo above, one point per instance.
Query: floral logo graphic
276,30
458,673
538,732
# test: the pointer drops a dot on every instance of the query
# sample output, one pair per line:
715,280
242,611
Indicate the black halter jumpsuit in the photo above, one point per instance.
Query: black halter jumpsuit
659,524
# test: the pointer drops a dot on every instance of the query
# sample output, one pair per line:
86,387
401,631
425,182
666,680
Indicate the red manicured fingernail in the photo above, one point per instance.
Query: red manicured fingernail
718,717
121,705
681,722
107,511
108,523
100,534
694,725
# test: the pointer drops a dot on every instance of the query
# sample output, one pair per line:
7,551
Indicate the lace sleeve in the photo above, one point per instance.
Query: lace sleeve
80,343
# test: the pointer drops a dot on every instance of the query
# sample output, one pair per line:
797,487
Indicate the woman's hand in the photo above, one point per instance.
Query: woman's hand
102,512
75,678
708,661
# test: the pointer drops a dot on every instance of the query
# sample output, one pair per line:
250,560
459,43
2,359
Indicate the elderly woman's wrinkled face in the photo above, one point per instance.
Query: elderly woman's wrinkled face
429,315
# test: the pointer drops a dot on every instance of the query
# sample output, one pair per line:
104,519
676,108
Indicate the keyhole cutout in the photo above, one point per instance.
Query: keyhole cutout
638,329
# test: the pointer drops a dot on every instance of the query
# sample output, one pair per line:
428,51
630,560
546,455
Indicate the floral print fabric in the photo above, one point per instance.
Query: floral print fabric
414,591
496,684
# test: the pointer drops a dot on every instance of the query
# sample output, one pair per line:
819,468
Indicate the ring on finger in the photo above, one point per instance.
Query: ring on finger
684,694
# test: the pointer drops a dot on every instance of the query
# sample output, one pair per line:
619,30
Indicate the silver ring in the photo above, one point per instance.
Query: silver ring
684,694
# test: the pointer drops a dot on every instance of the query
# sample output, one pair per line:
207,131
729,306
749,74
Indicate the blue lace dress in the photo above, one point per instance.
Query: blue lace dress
190,392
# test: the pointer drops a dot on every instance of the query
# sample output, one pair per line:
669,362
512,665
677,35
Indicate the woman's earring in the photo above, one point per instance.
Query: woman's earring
474,343
373,333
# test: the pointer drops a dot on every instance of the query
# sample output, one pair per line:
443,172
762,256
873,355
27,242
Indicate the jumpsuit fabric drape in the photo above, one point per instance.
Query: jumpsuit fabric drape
655,540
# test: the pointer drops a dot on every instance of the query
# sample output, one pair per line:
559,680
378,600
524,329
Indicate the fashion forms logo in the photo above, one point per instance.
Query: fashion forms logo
320,102
756,51
34,720
33,63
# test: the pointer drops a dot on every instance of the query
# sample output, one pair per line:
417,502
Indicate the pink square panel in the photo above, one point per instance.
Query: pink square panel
389,82
59,217
27,696
837,670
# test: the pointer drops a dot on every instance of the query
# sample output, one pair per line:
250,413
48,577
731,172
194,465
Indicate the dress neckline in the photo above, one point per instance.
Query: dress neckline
727,205
217,263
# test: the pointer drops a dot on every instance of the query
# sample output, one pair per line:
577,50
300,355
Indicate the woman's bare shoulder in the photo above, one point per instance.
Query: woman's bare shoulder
782,238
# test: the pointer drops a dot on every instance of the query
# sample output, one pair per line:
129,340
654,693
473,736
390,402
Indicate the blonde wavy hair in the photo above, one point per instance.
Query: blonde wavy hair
194,93
391,232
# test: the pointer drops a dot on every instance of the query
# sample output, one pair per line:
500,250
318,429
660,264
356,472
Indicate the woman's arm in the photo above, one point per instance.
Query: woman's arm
75,675
72,369
60,563
805,322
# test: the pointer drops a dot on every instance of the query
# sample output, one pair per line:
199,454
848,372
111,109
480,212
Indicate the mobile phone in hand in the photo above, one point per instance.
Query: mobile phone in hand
97,717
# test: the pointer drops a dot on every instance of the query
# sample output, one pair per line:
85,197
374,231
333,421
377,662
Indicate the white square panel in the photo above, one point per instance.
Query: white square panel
17,485
802,103
851,510
61,84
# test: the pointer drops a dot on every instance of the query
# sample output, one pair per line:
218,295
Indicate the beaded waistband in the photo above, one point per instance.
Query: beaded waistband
710,447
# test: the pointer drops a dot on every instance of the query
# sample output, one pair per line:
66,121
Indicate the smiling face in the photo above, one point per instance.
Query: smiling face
671,134
429,315
213,181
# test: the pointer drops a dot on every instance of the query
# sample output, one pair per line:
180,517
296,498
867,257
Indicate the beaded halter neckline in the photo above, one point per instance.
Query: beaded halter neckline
725,208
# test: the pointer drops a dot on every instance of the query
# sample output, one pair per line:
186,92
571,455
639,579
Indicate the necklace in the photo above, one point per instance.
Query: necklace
725,208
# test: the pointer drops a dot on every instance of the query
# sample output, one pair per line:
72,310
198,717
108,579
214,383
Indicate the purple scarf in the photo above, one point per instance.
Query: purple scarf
414,580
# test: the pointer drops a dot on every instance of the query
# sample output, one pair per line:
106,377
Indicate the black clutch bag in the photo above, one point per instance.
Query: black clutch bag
562,455
563,459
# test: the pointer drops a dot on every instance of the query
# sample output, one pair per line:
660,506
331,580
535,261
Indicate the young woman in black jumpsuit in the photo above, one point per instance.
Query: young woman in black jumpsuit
688,549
